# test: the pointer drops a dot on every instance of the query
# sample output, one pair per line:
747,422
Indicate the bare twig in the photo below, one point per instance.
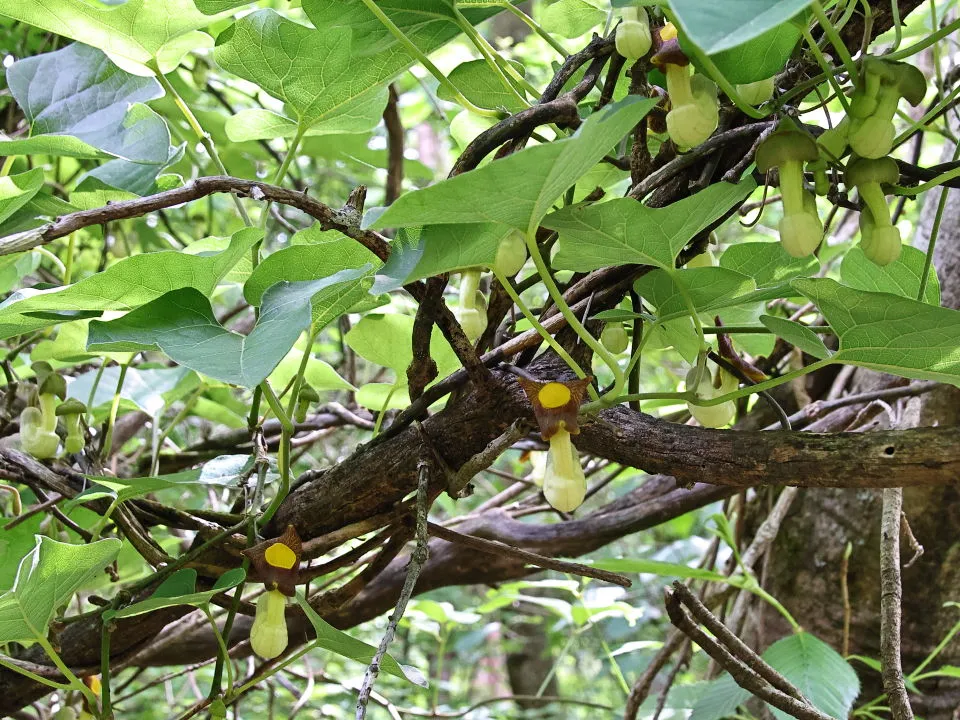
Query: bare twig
391,120
495,547
485,458
891,595
417,560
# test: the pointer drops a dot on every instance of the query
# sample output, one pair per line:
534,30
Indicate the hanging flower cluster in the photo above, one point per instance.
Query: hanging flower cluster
277,564
555,405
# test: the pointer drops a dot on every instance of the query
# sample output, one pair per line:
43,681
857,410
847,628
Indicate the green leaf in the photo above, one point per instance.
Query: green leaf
46,580
13,268
81,104
889,333
329,638
222,471
901,277
134,35
798,335
767,263
720,700
656,567
708,288
714,27
144,389
385,340
312,71
259,124
818,671
624,231
760,58
478,84
444,248
183,326
17,190
317,254
520,189
125,285
571,18
319,373
179,589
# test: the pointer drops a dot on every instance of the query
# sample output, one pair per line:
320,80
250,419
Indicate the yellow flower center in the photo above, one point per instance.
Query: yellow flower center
668,32
554,395
279,555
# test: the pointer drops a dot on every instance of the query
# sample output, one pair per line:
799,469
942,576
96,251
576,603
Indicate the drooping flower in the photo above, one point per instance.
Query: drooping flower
277,564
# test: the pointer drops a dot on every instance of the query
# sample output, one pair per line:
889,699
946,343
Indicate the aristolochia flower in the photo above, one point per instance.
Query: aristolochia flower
555,405
277,563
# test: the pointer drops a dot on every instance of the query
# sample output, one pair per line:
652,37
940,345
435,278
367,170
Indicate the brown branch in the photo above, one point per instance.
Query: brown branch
328,218
494,547
741,662
891,596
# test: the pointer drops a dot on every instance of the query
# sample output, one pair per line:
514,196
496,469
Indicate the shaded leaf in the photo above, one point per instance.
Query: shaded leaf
798,335
183,326
17,190
714,27
179,589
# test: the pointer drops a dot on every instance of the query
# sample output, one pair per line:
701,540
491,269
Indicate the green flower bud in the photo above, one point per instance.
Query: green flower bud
305,399
35,439
72,411
689,125
473,323
704,387
756,93
564,484
801,233
881,240
614,337
511,254
695,112
268,636
881,245
633,34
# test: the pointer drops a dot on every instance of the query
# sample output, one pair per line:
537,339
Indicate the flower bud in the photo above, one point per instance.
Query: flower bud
511,254
614,337
703,386
633,34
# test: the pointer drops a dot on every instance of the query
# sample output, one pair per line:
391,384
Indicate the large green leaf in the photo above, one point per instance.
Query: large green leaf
312,71
901,277
135,34
179,589
707,288
889,333
767,262
818,671
129,283
183,326
46,580
714,27
438,249
80,104
17,190
571,18
317,254
760,58
624,231
337,641
520,189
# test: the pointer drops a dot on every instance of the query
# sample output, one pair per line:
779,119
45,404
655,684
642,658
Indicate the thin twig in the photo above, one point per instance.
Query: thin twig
418,559
891,595
911,539
495,547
